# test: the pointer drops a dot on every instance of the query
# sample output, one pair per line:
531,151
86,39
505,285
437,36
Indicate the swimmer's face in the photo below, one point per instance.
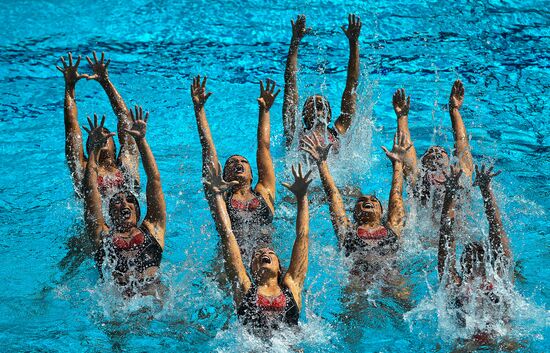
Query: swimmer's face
367,208
123,211
316,111
435,162
237,168
264,262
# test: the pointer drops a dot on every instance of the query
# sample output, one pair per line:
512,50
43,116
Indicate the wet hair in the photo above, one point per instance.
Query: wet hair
356,217
473,252
430,150
89,145
325,103
226,171
131,198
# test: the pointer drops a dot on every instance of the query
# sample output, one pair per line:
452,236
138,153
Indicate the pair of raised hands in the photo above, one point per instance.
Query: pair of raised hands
482,180
299,29
99,68
402,102
99,135
200,96
318,150
214,181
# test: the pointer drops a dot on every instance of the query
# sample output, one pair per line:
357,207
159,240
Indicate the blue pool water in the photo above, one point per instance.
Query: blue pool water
51,301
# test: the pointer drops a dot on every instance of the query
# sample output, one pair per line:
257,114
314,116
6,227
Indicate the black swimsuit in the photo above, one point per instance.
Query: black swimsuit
138,257
252,224
363,252
261,321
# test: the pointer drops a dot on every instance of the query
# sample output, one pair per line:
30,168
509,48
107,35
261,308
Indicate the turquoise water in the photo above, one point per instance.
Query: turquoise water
50,297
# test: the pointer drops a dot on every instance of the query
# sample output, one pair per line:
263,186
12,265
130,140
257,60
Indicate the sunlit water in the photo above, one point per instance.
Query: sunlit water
51,299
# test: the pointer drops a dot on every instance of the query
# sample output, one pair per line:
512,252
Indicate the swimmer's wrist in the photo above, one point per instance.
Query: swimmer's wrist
103,80
70,86
294,41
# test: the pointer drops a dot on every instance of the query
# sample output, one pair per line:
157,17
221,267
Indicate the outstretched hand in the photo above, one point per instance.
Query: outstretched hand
98,134
301,182
399,149
299,29
198,92
267,97
401,103
457,95
316,149
99,67
484,176
354,27
139,124
70,72
214,180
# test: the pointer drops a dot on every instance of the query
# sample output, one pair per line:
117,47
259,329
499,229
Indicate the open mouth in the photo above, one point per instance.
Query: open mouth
436,178
265,259
239,168
126,213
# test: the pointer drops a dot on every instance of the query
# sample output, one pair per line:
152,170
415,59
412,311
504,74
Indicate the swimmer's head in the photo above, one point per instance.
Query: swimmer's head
316,111
124,210
107,151
472,260
237,168
435,162
367,209
265,264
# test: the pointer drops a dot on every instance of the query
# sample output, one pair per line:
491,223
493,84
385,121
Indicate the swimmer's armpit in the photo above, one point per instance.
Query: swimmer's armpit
199,96
74,149
396,210
349,97
462,143
266,172
290,103
498,238
401,105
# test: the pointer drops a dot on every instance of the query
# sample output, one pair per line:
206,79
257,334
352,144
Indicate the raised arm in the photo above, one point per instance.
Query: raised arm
296,274
500,244
233,261
349,97
93,215
266,172
74,151
128,156
446,255
462,144
209,155
396,210
290,104
338,217
155,219
401,105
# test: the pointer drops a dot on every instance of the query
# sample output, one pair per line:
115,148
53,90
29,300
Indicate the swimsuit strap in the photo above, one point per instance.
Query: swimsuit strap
250,313
148,253
353,242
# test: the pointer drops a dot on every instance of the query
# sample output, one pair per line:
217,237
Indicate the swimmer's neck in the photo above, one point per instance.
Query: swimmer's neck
242,189
123,229
374,223
106,161
268,285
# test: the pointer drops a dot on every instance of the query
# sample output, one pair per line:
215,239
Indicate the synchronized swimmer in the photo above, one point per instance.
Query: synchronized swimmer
128,253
